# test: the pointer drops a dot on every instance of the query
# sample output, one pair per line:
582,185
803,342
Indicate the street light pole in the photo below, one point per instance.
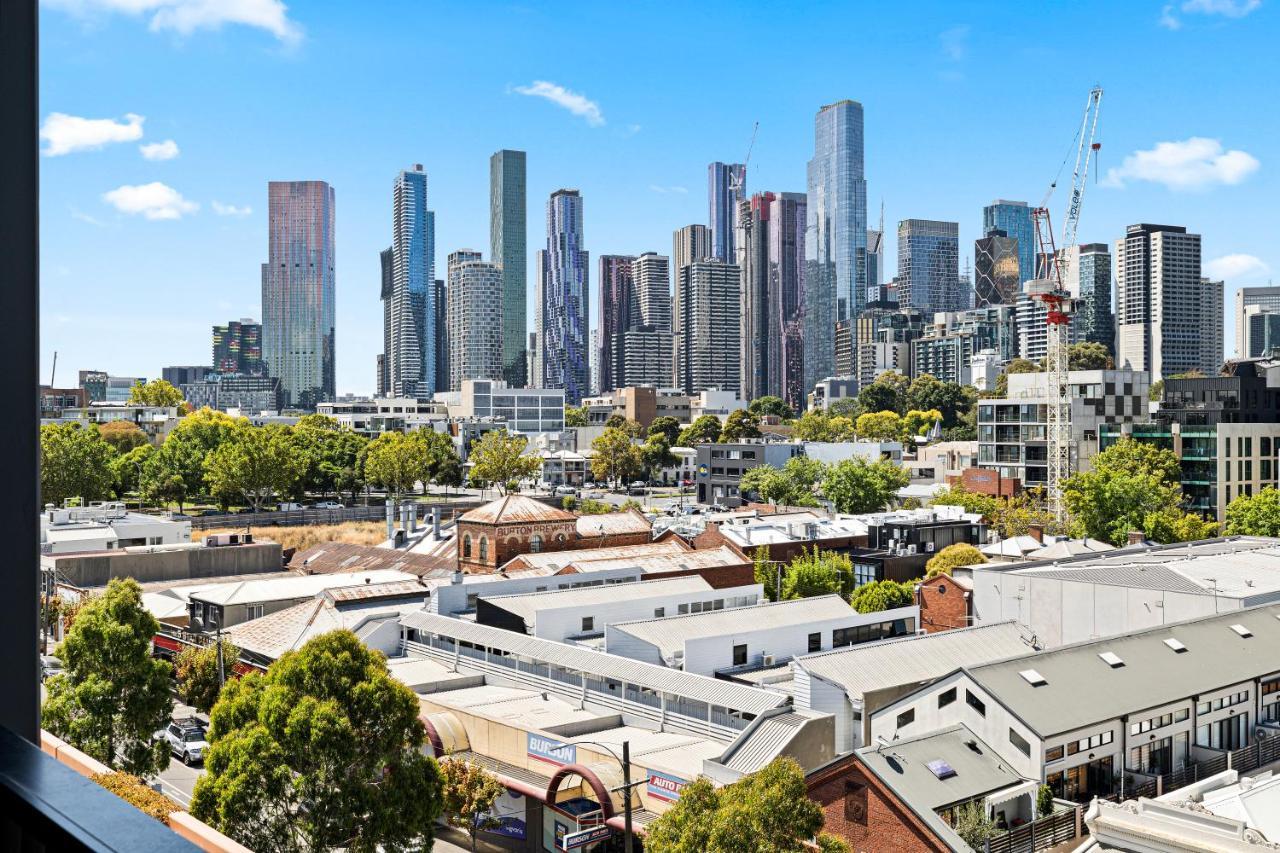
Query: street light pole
626,785
222,675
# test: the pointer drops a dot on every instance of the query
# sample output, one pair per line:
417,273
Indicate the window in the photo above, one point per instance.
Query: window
659,612
975,703
1020,742
588,623
740,655
535,544
466,546
815,642
253,611
946,697
1053,754
906,718
484,548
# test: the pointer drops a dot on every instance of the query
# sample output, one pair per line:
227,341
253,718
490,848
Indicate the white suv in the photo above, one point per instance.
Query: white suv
186,740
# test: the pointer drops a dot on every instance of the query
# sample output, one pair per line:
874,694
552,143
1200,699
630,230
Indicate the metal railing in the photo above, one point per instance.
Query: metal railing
1041,834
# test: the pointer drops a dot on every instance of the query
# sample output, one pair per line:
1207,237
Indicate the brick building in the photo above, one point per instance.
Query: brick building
867,814
945,603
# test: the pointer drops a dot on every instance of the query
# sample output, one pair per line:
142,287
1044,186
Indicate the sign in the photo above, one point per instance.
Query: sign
508,811
702,470
665,787
551,751
586,836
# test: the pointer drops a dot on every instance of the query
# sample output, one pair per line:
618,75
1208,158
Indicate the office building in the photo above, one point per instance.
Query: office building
439,336
94,383
1168,318
386,294
118,389
947,348
711,326
929,266
688,244
875,266
507,249
1088,279
410,358
1258,335
1266,298
475,318
565,289
726,187
615,313
773,270
298,291
996,270
237,348
880,341
835,253
181,375
224,391
525,410
1013,219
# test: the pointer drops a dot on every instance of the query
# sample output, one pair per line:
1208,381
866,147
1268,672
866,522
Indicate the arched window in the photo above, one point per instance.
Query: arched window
535,544
484,548
466,546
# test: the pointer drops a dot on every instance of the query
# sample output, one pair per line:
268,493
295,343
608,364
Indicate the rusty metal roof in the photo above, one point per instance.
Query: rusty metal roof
331,557
516,509
613,524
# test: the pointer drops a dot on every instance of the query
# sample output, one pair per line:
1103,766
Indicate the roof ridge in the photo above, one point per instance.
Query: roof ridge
879,643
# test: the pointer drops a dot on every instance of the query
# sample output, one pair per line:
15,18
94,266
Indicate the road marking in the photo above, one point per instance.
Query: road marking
174,793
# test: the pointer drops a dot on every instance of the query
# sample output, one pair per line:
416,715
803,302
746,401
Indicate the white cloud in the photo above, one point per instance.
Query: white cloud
186,16
1232,267
579,105
230,209
955,43
1191,164
1169,19
77,213
154,201
166,150
1214,8
665,190
66,133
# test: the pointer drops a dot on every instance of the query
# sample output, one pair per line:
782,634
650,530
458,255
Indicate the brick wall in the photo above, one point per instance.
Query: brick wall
867,815
985,481
944,604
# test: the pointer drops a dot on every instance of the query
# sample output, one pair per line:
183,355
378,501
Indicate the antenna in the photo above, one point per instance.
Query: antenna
54,371
738,177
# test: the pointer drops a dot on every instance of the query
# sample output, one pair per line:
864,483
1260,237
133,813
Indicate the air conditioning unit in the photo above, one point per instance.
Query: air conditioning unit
911,549
928,547
766,659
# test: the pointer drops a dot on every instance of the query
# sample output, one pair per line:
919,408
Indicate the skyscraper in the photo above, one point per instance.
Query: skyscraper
1088,279
411,356
387,292
475,318
836,243
565,290
929,266
1267,298
773,270
616,293
237,348
1168,319
996,268
507,249
688,244
646,344
440,334
1014,219
875,266
298,291
726,186
711,326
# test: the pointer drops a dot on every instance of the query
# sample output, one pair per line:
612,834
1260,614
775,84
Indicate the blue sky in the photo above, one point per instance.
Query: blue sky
146,244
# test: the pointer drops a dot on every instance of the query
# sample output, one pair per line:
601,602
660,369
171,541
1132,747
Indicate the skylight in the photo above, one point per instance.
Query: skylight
940,768
1176,645
1111,659
1034,678
1242,630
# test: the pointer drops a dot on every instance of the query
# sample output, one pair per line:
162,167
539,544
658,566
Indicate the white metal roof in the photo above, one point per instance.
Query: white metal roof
527,605
698,688
299,586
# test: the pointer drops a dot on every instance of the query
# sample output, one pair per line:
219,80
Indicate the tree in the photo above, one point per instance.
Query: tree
917,423
739,425
985,505
256,465
887,393
113,695
176,471
198,678
498,458
930,393
395,462
122,435
575,416
953,557
655,454
856,485
880,426
1018,365
1090,355
468,793
615,457
875,596
126,470
817,425
322,751
770,406
331,453
1156,394
818,573
1257,515
768,811
973,826
765,571
705,430
791,485
1044,801
630,427
74,463
157,392
666,426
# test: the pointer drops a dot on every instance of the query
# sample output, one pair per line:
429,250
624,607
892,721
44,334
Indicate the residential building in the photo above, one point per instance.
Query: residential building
713,401
298,291
1088,280
875,263
525,410
53,401
710,326
118,389
726,187
387,295
386,414
900,543
929,266
1013,218
226,604
564,468
996,267
772,262
237,348
566,291
616,294
411,356
642,404
688,244
835,283
180,375
833,388
1266,298
721,466
1258,333
985,367
880,341
155,421
235,391
94,383
106,527
475,318
439,336
948,346
507,249
1168,318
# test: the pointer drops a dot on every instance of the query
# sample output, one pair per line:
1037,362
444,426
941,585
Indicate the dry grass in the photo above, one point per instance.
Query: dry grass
303,537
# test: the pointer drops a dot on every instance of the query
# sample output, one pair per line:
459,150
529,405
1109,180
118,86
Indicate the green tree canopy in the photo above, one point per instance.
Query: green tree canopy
887,394
498,458
818,572
817,425
157,392
468,794
875,596
666,426
113,695
615,457
704,430
322,751
928,393
394,462
1090,355
739,425
122,435
255,465
1256,515
575,416
332,455
198,677
126,470
176,472
880,426
770,405
856,485
655,454
74,463
953,557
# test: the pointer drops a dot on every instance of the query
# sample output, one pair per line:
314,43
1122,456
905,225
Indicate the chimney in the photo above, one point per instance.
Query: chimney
1036,532
1137,537
435,523
391,518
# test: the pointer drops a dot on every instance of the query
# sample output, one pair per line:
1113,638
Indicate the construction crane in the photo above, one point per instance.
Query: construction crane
738,177
1050,289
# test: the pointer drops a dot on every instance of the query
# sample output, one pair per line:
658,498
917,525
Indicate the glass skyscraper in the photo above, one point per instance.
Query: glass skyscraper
298,291
836,238
929,267
773,271
411,356
507,249
997,269
726,186
565,292
1089,280
237,348
1014,219
616,311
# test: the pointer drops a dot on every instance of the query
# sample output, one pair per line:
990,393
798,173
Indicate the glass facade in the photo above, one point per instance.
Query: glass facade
298,291
411,359
929,266
1090,282
237,348
835,285
508,249
565,290
773,277
616,296
995,266
726,186
1013,218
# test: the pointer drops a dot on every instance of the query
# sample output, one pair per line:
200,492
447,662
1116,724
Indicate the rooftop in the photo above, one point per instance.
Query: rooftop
298,586
613,524
557,560
328,557
285,630
942,768
527,605
515,509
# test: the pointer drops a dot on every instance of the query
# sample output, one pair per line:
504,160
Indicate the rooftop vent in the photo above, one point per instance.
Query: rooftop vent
1034,678
1176,645
1242,630
940,768
1111,659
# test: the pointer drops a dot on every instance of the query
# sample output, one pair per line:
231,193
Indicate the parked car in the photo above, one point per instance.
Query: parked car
637,487
564,490
187,739
329,505
289,507
49,667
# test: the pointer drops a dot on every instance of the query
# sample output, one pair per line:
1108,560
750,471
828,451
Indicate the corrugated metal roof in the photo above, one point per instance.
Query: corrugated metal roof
374,591
528,604
675,561
332,557
298,586
903,765
276,633
696,687
515,509
1142,577
670,633
866,667
557,560
767,740
612,524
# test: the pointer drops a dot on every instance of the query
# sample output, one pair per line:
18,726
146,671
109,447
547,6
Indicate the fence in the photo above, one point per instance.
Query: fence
306,517
1040,834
